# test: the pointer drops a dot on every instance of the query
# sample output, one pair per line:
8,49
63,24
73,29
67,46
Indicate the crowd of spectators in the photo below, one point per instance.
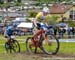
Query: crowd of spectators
59,32
64,33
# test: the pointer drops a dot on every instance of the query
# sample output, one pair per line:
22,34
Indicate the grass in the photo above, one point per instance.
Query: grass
67,48
19,38
22,45
64,46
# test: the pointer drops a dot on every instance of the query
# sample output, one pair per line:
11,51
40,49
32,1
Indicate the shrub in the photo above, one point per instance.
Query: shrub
52,20
71,23
32,14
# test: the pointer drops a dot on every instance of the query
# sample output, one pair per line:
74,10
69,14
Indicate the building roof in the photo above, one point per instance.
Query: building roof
59,8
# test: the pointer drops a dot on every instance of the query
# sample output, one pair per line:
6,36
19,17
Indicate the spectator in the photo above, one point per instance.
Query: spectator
55,30
63,18
69,32
73,32
60,31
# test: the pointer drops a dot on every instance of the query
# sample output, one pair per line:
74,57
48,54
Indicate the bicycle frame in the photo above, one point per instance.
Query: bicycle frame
35,38
32,43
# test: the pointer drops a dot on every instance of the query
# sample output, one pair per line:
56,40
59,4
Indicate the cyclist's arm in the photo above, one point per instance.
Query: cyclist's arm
36,18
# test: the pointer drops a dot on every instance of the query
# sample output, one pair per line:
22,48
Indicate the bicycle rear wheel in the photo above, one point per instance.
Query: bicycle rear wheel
51,48
29,45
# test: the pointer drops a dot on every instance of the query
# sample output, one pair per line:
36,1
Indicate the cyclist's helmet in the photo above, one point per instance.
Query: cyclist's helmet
46,10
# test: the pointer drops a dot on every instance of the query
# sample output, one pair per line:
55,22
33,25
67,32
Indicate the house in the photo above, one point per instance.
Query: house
62,10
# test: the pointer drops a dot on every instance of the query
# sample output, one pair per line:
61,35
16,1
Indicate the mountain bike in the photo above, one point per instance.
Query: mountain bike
13,45
52,48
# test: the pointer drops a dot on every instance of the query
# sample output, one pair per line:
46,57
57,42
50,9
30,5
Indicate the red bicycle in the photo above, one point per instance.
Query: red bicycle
38,41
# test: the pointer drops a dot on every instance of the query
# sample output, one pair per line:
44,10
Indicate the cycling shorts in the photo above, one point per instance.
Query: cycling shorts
41,25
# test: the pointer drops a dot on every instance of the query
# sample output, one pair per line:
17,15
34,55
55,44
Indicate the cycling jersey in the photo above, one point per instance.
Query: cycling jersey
41,16
9,31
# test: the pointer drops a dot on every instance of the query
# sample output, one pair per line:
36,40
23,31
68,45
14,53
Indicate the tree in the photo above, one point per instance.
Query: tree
55,1
53,20
1,1
9,0
44,1
19,1
71,23
32,14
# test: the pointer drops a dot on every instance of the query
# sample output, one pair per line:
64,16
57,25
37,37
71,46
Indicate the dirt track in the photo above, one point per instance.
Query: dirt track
57,56
38,56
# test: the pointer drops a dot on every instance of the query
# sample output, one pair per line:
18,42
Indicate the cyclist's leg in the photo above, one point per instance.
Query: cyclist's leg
7,42
46,39
7,39
37,32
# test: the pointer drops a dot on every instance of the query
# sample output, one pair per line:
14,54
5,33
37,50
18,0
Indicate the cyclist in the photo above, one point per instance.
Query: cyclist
42,16
9,32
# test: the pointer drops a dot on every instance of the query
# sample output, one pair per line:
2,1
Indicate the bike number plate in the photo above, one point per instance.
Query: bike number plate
13,37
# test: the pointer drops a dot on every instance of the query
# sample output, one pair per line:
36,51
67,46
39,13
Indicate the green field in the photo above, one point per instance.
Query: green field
64,46
21,40
66,50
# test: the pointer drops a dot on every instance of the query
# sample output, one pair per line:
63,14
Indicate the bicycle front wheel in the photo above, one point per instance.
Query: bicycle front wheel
52,47
12,47
15,46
